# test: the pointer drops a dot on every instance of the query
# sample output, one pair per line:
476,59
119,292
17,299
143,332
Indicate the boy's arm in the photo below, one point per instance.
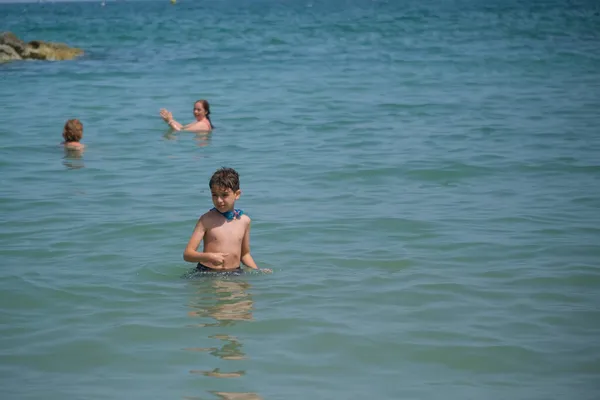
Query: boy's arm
191,253
247,259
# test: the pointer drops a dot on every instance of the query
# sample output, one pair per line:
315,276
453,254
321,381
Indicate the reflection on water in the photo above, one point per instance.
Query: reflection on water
73,159
231,349
216,373
230,396
170,135
237,396
202,139
226,302
229,302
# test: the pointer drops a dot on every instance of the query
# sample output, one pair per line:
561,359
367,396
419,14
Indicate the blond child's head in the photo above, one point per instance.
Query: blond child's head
73,131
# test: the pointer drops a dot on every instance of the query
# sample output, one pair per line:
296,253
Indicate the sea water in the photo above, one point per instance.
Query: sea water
422,177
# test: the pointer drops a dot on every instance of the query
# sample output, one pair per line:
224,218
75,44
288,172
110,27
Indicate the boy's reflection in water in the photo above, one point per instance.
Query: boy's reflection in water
233,304
230,396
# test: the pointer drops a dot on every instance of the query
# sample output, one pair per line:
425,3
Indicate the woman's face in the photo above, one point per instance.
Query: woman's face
199,111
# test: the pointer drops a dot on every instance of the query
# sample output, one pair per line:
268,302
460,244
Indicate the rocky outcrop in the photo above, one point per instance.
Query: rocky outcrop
8,53
12,48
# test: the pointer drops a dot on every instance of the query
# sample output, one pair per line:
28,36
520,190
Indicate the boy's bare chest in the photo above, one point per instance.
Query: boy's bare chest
229,232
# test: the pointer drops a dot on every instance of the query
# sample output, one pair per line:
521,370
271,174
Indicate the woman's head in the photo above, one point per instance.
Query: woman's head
73,131
201,110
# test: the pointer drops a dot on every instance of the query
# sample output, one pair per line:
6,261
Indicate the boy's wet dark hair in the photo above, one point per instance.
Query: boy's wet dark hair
226,178
73,131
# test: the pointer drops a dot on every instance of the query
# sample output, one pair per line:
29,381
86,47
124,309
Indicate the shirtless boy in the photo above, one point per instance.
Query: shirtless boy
201,113
72,134
224,229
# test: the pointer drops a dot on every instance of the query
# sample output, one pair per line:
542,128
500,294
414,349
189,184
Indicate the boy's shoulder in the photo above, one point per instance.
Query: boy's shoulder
210,214
213,214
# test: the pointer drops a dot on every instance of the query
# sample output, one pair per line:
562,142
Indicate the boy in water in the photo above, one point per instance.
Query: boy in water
224,229
72,134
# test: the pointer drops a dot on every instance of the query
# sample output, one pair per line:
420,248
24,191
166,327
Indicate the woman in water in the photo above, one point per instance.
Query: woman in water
201,112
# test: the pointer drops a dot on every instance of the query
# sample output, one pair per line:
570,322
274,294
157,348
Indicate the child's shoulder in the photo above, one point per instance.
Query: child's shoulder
212,213
73,146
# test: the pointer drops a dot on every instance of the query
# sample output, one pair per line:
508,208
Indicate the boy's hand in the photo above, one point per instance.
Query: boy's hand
266,270
218,259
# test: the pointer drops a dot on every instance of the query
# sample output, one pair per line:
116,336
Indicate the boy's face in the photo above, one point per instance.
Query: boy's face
224,198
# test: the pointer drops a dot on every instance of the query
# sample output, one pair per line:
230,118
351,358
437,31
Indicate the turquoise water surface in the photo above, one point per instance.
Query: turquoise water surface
423,178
